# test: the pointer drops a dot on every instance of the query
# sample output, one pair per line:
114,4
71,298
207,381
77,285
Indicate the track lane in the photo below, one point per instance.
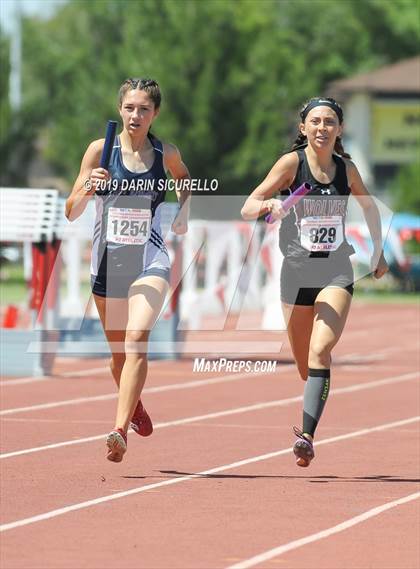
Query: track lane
191,519
192,438
223,496
83,419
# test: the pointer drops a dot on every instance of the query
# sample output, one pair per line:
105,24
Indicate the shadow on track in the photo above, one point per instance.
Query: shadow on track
313,479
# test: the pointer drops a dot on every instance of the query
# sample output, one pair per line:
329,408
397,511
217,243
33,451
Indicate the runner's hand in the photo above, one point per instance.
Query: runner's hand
379,266
97,181
180,224
275,209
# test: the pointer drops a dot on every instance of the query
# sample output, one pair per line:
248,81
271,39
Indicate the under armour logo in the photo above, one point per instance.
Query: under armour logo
327,191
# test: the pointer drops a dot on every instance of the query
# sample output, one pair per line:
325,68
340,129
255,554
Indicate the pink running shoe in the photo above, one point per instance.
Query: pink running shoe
141,422
116,442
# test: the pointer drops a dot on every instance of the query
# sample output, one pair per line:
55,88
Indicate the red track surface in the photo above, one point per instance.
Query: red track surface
167,518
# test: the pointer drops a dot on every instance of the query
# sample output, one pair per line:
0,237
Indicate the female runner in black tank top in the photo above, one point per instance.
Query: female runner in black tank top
317,278
130,281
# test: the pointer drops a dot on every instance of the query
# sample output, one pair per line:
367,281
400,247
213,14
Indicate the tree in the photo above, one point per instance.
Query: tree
17,130
405,189
233,73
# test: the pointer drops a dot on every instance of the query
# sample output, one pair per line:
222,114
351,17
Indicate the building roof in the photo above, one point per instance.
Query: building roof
400,77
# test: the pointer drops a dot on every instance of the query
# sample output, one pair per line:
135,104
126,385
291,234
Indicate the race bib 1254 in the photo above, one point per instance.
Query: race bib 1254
128,226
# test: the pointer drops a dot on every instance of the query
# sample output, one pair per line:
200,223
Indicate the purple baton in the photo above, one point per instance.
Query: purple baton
292,200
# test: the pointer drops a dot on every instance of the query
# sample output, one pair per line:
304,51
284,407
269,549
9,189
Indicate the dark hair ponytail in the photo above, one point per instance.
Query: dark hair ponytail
338,148
300,142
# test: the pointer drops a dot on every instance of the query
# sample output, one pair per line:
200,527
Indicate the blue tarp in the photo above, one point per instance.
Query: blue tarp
405,221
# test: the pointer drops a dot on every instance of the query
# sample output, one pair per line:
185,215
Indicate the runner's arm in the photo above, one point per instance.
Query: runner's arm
281,176
89,176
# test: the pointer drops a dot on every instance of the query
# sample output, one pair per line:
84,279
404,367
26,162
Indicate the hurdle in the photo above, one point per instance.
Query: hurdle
30,216
240,270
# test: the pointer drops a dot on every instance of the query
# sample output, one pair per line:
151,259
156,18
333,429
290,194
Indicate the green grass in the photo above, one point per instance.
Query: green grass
385,290
13,290
387,297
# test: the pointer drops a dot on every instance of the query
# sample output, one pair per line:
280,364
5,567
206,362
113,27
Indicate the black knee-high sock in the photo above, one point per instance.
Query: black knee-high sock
315,395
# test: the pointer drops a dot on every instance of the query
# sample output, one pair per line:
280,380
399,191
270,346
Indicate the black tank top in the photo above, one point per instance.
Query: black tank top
316,225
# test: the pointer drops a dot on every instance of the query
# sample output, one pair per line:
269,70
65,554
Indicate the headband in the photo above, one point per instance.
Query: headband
322,103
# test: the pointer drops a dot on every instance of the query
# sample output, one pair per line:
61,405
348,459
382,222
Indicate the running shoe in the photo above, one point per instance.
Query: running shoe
141,422
303,449
116,442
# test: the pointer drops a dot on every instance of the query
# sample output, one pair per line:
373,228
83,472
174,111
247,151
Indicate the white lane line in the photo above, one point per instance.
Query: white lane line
104,369
54,404
225,413
66,374
231,466
277,551
339,360
83,372
175,423
24,380
158,389
40,378
214,380
56,421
